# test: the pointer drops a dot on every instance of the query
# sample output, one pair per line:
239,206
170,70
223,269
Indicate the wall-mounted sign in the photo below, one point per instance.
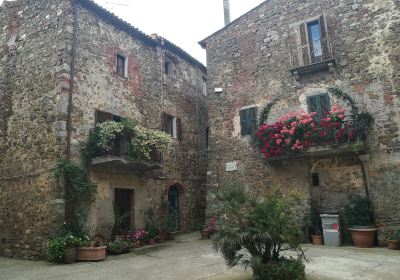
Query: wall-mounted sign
218,90
231,166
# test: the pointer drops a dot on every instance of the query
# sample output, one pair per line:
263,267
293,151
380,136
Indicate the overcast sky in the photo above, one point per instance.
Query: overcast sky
183,22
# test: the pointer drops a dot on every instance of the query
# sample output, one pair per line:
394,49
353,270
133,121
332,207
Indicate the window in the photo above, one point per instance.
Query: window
313,41
248,120
101,117
172,126
169,66
319,103
122,66
315,180
204,86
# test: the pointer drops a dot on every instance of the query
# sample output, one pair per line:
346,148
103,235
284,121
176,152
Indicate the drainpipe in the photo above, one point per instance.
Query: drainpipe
364,169
227,12
70,100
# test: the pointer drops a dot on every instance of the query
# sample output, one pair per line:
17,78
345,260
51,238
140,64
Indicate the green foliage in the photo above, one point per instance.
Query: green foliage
55,249
91,148
145,141
168,222
267,109
120,220
359,212
80,188
284,269
151,223
338,93
119,247
315,217
251,230
107,132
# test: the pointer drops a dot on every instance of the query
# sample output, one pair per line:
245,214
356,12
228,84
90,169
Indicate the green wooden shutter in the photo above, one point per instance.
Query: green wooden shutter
312,102
324,104
305,53
243,121
324,38
253,119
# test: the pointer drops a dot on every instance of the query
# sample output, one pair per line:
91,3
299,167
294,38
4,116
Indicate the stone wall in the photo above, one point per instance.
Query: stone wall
143,95
250,60
33,60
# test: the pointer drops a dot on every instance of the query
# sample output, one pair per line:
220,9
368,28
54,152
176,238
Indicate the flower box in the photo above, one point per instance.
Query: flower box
91,253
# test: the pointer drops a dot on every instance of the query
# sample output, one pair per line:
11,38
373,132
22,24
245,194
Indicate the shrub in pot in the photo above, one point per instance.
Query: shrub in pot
394,241
119,247
253,232
315,218
359,215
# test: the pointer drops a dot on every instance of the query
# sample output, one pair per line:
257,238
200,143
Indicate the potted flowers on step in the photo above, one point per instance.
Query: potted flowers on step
394,240
315,217
359,215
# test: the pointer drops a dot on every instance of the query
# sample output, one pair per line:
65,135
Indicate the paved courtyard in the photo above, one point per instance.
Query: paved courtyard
189,257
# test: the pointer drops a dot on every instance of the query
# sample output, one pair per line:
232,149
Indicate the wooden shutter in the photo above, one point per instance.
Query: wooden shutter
324,104
304,55
324,38
312,102
243,122
178,129
253,119
164,120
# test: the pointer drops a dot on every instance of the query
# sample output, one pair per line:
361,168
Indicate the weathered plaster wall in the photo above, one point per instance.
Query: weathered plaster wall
33,62
250,60
143,95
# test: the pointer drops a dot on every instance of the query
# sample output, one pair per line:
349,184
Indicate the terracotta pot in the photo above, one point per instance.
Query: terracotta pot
393,244
171,235
363,237
204,233
91,253
70,255
151,241
162,236
317,239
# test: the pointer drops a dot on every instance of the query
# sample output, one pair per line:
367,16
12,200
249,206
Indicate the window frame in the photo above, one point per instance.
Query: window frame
318,103
125,66
176,132
248,120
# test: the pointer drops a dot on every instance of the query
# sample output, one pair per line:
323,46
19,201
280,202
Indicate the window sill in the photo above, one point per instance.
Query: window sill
313,68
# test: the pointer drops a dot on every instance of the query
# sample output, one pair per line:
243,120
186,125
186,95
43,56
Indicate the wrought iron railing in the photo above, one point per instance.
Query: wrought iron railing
313,52
120,148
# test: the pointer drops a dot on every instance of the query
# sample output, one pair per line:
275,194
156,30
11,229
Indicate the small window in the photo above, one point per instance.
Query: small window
121,65
101,117
169,66
315,179
172,126
319,103
204,86
248,121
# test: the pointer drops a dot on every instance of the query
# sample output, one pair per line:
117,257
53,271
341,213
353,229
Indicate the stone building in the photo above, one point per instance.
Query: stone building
66,65
294,51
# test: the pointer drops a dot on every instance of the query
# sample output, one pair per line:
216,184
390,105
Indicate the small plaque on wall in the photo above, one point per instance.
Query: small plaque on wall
231,166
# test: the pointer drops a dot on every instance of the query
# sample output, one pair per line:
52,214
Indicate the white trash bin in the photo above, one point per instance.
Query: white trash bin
331,230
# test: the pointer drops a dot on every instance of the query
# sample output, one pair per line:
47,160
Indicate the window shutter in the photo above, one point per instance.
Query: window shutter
164,119
243,121
304,48
324,104
253,119
324,38
312,102
178,129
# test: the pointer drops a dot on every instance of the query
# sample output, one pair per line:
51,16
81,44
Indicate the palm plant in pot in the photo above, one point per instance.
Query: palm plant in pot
315,217
359,215
394,240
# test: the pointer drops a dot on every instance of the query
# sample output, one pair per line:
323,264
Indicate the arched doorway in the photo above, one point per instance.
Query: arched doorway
173,205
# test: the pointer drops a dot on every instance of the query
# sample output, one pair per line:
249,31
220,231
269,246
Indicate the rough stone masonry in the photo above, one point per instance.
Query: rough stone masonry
58,53
249,64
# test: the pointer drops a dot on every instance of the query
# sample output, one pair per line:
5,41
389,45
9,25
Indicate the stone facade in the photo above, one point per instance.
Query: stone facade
250,60
37,45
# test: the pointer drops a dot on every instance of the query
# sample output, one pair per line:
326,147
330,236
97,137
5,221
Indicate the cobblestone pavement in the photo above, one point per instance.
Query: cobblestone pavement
189,257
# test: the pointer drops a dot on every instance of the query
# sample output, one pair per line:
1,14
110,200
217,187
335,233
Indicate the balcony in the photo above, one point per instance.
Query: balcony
117,159
312,57
330,141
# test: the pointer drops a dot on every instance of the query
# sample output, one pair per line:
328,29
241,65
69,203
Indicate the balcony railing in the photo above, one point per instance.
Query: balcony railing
313,56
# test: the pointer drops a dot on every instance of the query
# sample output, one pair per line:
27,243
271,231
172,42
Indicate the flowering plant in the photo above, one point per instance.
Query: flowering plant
139,234
145,141
296,131
107,132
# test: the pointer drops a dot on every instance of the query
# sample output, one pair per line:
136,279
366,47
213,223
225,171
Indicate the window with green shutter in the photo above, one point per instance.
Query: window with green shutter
248,121
319,103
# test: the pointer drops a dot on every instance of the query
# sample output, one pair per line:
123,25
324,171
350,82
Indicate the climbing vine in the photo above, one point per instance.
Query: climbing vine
267,109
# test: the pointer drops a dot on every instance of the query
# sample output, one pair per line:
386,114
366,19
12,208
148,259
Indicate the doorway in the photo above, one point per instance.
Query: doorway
123,210
173,205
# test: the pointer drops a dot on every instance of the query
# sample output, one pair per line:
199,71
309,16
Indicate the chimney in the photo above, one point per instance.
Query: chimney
227,12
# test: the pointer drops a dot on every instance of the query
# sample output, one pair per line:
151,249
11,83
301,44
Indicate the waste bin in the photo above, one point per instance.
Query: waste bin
331,229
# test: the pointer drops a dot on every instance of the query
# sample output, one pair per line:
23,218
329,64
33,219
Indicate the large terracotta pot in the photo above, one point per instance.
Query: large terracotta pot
70,255
317,239
91,253
393,244
363,237
162,235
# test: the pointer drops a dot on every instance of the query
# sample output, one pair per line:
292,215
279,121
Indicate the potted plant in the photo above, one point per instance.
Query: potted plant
71,243
152,226
315,217
167,227
91,252
394,240
359,215
119,247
